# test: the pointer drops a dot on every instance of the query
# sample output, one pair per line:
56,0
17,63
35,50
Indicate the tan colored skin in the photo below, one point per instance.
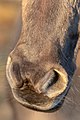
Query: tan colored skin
44,52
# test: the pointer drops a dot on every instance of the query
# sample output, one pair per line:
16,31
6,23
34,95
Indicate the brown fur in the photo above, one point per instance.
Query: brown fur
47,42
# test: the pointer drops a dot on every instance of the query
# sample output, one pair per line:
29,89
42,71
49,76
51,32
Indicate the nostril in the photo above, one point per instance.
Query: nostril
52,80
13,74
53,83
58,85
16,74
15,68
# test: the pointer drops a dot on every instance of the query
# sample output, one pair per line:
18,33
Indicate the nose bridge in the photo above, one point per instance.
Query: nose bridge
35,49
33,59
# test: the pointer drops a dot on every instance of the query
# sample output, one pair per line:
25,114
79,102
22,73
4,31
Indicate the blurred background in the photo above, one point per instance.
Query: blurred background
10,28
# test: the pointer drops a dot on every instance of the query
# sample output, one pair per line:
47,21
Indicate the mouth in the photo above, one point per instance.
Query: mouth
46,96
50,105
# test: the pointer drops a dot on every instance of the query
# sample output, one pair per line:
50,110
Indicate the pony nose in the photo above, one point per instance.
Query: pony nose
52,84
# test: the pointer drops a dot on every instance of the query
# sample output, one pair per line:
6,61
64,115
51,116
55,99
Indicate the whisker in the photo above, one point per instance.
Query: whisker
71,102
76,89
